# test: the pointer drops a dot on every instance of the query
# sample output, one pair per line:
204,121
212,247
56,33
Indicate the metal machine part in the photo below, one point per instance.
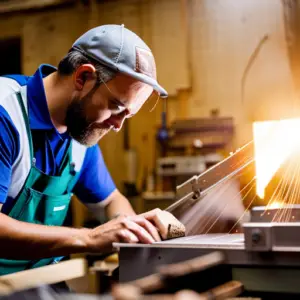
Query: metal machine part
273,214
214,195
197,186
272,229
272,236
176,165
185,165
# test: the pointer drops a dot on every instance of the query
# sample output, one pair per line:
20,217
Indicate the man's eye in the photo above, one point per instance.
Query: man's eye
114,105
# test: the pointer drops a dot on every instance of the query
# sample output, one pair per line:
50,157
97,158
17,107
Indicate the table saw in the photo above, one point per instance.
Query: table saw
261,251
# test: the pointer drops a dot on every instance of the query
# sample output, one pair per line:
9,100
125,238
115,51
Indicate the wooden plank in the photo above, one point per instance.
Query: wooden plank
229,289
63,271
19,5
193,265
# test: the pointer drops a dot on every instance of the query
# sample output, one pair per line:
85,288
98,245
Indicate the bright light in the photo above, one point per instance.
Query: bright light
274,141
275,204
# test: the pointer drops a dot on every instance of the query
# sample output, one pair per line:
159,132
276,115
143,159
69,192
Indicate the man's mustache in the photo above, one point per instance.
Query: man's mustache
99,126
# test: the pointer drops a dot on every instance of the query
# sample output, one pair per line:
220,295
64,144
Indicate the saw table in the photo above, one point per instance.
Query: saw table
264,255
265,260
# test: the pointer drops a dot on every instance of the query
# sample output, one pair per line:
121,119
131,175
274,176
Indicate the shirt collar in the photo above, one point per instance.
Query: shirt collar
39,116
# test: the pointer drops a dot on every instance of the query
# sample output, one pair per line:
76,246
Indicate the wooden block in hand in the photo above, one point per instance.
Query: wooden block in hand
168,226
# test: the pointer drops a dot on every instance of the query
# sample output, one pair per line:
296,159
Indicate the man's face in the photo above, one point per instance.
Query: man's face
94,110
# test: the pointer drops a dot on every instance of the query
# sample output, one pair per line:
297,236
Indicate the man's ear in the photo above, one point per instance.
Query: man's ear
83,74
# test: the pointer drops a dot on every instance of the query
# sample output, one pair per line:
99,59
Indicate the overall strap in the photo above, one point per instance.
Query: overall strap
26,120
67,158
75,151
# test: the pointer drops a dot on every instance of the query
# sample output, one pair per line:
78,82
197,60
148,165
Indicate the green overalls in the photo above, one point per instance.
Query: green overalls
43,199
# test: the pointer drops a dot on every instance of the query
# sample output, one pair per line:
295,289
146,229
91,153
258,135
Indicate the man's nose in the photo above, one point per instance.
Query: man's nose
118,120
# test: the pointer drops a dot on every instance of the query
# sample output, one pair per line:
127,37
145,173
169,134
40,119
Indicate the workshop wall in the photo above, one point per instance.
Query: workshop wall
240,62
224,54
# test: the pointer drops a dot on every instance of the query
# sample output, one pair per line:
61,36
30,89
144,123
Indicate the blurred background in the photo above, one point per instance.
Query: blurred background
225,63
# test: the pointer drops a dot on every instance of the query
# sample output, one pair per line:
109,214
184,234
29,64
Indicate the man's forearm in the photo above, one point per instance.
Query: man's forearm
20,240
118,205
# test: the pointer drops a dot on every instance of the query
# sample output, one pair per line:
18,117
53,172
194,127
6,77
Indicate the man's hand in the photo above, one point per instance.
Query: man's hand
167,225
123,229
146,228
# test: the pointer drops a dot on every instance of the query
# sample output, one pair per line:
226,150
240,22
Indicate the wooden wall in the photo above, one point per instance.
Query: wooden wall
225,54
240,61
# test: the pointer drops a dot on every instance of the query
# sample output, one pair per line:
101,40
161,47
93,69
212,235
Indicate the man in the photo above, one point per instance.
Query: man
50,125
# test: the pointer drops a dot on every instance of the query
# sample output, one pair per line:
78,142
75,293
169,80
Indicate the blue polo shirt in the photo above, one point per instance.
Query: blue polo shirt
94,184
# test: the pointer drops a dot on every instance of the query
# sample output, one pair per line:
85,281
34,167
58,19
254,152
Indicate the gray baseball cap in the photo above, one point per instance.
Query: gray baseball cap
121,50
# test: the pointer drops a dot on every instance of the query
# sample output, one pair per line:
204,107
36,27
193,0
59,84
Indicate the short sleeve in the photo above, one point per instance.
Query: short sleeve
95,183
9,150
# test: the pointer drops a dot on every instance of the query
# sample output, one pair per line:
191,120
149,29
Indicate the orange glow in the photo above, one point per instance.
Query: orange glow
274,141
275,204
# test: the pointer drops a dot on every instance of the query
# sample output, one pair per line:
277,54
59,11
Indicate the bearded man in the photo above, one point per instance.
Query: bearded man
51,123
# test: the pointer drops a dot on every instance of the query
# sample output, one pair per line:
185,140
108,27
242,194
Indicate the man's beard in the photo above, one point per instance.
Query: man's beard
83,131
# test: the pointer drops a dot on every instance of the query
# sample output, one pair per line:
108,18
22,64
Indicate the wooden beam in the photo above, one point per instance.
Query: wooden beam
67,270
21,5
